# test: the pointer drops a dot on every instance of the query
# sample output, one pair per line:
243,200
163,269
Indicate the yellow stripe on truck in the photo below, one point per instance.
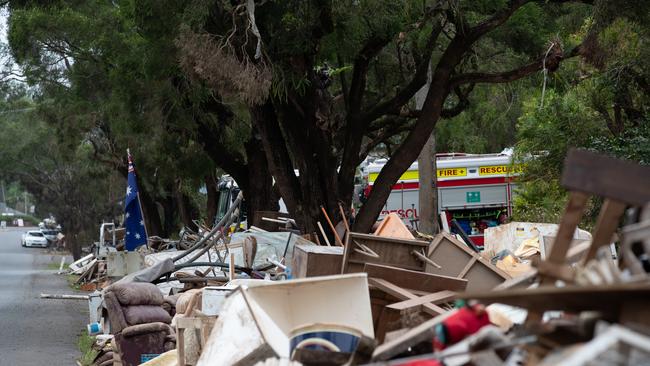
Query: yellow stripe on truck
408,175
414,175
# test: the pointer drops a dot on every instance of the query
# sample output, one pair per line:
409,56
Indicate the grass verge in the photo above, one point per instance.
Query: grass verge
55,266
88,353
72,281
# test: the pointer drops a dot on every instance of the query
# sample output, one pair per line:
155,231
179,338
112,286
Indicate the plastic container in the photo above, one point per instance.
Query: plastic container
94,328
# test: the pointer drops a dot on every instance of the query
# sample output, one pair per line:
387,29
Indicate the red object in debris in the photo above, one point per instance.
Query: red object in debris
464,322
422,363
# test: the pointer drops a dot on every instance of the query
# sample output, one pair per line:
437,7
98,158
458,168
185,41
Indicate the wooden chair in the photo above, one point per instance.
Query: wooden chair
621,183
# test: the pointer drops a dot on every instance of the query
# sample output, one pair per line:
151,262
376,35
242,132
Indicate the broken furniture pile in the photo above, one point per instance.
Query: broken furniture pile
555,296
577,305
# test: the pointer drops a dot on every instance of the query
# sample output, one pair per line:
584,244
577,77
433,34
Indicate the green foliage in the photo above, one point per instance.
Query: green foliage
632,144
488,125
539,200
528,31
605,111
107,76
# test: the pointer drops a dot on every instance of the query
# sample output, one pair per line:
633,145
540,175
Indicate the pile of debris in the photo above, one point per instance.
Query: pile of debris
537,294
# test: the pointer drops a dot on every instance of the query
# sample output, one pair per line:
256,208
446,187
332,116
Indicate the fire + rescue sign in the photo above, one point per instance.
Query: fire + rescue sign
452,172
499,169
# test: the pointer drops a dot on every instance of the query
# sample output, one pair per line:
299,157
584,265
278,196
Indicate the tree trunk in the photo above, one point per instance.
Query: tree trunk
188,212
169,210
311,154
428,193
150,213
409,150
213,199
258,192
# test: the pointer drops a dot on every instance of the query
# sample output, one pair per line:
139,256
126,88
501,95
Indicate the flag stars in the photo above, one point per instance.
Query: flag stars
141,222
128,190
137,235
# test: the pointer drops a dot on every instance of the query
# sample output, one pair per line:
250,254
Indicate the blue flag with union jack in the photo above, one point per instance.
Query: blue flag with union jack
136,234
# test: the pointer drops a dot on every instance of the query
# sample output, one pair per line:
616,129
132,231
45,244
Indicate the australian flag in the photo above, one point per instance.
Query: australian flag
136,234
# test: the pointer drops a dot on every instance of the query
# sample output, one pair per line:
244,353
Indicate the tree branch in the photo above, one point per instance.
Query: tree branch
494,21
552,62
461,105
360,72
416,83
382,136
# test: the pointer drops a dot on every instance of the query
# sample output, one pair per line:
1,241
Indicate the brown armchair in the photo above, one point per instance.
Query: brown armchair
138,322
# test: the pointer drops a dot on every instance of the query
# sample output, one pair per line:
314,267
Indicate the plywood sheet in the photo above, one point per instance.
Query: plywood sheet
414,280
457,260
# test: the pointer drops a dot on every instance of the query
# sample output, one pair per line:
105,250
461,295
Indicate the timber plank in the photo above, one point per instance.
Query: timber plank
608,219
421,333
570,298
601,175
414,280
434,298
404,294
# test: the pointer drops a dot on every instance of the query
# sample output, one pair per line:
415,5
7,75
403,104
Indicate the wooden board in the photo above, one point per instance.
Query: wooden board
403,294
434,298
204,326
390,251
316,260
457,260
601,175
608,219
570,298
422,333
413,280
393,227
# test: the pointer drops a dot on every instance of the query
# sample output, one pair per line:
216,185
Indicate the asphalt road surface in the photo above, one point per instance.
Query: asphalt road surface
35,331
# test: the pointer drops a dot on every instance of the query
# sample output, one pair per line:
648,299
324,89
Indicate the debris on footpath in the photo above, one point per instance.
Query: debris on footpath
537,294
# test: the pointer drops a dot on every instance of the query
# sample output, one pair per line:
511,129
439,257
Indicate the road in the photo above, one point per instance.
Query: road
35,331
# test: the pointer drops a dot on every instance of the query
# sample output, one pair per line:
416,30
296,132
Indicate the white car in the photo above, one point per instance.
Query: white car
50,234
35,239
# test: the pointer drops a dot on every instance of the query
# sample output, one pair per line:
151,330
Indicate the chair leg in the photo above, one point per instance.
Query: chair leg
608,219
572,215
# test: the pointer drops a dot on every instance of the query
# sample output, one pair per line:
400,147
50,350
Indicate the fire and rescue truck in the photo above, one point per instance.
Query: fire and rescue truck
474,189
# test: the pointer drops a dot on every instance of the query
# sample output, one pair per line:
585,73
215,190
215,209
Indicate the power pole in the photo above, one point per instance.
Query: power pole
428,191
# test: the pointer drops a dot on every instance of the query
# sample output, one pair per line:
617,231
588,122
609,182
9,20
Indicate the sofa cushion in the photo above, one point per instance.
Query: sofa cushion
141,314
137,293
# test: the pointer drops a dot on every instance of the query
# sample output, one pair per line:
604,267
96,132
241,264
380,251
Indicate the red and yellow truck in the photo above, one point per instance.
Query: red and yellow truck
474,189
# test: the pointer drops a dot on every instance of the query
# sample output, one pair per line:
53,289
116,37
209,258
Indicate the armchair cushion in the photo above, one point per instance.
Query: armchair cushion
138,293
140,314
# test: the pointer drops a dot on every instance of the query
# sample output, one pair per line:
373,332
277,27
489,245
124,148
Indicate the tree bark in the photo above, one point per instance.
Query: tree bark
150,213
428,193
259,194
213,199
188,212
